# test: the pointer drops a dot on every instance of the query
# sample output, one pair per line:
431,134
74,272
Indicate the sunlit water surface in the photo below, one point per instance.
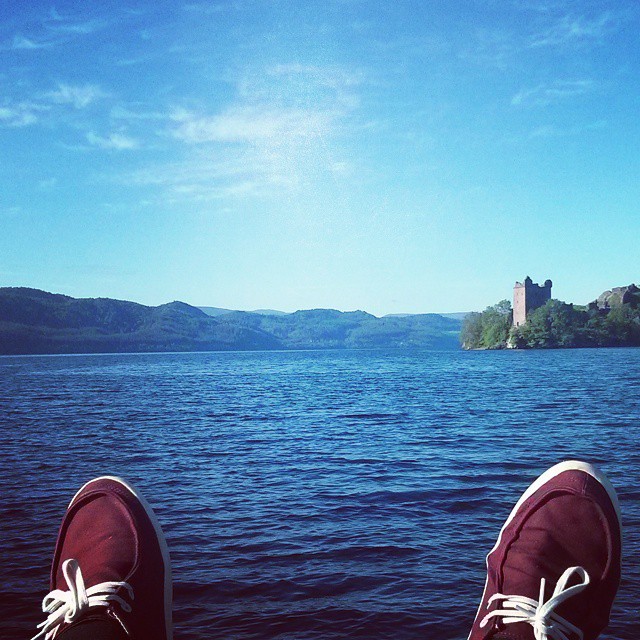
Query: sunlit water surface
331,494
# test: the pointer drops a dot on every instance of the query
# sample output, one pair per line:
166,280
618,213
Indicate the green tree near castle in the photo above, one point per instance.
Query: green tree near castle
489,329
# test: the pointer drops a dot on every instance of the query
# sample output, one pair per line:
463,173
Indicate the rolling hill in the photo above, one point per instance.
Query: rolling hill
34,321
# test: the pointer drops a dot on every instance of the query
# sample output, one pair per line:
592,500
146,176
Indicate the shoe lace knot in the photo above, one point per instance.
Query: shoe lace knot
541,615
68,606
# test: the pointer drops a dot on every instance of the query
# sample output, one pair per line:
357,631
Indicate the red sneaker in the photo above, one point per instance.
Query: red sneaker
554,572
111,559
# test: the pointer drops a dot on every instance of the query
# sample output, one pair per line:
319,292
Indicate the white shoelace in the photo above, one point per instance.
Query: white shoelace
546,624
67,606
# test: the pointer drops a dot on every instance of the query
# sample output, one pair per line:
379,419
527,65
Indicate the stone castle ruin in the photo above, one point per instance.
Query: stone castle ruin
528,296
616,297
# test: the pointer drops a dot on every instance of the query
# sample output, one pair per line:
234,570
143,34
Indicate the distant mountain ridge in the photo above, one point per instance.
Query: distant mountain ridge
34,321
219,311
328,328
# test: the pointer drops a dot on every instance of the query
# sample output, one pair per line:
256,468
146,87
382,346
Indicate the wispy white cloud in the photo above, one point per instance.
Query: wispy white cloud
76,95
69,24
549,93
135,60
21,114
552,27
136,113
342,168
10,212
554,131
21,42
550,7
240,175
276,103
117,141
279,135
52,30
71,27
210,7
490,48
16,118
573,30
250,124
201,179
47,183
262,168
295,86
54,14
333,77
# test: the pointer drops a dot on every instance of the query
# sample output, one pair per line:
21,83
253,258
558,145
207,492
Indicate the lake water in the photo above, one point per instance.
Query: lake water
332,494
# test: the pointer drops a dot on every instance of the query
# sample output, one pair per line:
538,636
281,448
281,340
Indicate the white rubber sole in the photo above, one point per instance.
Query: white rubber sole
561,467
168,583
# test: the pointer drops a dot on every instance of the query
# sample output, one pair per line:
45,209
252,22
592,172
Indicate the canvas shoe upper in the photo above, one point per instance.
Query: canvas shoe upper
111,559
554,572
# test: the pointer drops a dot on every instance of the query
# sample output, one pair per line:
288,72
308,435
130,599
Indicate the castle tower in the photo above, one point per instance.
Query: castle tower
528,296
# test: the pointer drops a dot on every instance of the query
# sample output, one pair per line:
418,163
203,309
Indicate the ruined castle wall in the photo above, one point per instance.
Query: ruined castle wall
519,305
537,296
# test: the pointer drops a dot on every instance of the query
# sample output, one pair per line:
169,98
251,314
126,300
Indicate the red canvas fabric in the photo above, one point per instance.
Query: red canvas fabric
109,531
569,521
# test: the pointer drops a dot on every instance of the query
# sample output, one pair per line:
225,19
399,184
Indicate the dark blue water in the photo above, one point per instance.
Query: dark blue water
313,494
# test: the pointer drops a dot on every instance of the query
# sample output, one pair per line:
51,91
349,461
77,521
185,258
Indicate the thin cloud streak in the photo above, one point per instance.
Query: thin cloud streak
78,28
129,113
79,96
23,43
250,124
231,171
21,114
574,30
550,93
491,48
208,8
53,30
553,131
332,77
116,141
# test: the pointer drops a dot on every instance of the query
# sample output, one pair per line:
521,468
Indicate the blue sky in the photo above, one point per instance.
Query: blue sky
405,156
